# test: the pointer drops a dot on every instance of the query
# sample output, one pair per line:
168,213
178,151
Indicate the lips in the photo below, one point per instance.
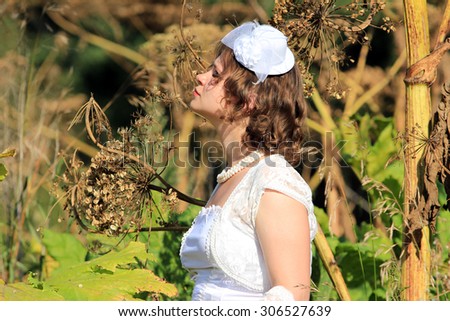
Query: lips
196,93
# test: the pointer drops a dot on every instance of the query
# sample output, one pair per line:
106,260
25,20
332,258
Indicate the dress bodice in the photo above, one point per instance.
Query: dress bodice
195,249
221,249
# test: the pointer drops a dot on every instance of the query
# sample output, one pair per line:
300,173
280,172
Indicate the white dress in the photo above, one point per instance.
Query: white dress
221,249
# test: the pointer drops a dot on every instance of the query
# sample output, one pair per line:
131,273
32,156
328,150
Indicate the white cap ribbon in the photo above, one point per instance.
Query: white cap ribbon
260,48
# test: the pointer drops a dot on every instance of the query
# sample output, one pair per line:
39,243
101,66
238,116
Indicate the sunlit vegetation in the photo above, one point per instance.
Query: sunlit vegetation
103,166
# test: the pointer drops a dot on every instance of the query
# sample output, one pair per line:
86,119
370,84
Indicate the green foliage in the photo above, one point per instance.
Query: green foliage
370,146
370,150
57,244
360,263
168,262
3,172
32,291
116,275
441,257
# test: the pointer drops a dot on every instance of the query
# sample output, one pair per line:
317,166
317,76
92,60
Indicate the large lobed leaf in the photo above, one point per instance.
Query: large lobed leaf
103,278
106,285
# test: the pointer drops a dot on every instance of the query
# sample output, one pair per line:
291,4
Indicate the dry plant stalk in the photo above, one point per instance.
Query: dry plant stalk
327,257
427,153
416,256
425,70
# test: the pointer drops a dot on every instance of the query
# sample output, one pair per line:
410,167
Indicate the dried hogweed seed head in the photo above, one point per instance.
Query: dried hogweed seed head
315,28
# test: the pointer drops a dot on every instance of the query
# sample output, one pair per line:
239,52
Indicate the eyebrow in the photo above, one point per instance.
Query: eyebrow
215,67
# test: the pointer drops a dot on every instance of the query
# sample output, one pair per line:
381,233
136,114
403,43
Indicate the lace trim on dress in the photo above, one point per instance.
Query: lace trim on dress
217,209
185,235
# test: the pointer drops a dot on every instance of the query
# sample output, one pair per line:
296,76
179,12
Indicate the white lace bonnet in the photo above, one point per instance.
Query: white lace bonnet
260,48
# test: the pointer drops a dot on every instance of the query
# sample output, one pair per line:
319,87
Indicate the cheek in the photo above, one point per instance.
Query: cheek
216,92
211,85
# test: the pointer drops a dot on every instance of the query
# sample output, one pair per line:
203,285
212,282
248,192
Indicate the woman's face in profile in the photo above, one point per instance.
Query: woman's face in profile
209,93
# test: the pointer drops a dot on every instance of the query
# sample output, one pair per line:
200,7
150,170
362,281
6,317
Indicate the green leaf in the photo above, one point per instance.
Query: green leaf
134,250
25,292
64,248
377,242
120,285
108,261
381,151
442,231
104,279
360,268
3,172
322,219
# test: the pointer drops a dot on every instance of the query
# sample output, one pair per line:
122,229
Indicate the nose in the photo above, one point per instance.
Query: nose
202,78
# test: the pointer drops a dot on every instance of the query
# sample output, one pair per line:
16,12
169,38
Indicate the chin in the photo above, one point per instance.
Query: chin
196,110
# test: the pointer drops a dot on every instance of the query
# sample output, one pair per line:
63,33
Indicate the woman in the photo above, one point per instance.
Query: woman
252,241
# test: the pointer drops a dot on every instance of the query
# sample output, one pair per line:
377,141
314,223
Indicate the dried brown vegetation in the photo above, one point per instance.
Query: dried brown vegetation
322,30
436,149
114,194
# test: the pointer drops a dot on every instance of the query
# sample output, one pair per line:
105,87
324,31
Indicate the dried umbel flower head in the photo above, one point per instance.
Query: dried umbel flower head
109,195
322,29
170,200
113,194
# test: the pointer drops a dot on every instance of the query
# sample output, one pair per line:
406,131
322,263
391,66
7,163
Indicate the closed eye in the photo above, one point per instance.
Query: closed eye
216,75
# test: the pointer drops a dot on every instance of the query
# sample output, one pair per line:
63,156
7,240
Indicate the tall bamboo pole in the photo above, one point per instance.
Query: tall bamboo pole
416,261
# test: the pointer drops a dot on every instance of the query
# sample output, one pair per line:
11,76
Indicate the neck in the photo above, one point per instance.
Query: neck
231,137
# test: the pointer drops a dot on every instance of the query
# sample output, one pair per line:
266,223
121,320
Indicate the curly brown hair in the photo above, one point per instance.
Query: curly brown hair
278,107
